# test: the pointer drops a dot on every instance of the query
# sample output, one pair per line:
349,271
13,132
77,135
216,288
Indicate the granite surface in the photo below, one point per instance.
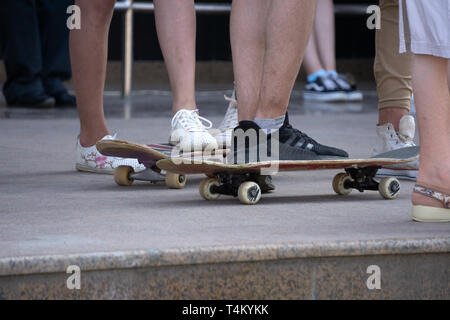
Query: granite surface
206,255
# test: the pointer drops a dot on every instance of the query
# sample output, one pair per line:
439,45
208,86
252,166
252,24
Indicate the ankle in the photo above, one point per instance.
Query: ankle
88,140
183,105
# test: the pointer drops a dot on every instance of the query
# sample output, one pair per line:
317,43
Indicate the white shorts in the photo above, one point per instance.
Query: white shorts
425,27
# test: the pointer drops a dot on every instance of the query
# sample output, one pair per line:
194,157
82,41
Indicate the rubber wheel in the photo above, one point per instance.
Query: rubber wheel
205,189
389,188
339,184
249,193
175,180
122,176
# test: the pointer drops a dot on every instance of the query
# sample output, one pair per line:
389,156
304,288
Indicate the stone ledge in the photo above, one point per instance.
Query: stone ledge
214,255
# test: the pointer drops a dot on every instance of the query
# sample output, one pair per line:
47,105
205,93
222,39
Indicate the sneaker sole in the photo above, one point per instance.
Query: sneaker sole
430,214
84,168
406,174
325,97
355,96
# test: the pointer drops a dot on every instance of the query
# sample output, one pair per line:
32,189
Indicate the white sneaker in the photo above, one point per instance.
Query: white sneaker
390,140
229,122
90,160
189,133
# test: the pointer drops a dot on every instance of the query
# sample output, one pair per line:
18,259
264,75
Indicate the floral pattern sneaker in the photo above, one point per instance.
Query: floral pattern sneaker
88,159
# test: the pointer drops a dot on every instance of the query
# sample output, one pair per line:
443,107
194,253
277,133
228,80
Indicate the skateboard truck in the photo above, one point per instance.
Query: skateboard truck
150,175
125,176
362,179
229,183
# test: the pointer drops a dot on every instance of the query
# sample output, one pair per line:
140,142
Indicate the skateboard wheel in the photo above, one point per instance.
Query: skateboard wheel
122,176
339,184
175,180
205,189
249,193
389,188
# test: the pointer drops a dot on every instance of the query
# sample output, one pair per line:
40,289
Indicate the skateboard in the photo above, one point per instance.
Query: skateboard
244,180
148,155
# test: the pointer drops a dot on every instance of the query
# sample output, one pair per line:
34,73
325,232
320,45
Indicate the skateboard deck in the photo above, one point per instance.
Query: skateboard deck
238,179
148,155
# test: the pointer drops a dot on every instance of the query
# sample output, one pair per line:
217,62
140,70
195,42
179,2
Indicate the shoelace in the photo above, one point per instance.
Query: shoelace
231,116
405,139
191,121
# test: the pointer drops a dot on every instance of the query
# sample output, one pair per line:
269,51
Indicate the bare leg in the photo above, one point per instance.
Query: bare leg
311,62
433,113
176,26
88,51
248,46
288,30
325,34
448,76
391,115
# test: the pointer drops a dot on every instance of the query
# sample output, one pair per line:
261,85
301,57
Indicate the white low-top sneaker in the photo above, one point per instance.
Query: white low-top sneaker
88,159
389,139
189,132
229,122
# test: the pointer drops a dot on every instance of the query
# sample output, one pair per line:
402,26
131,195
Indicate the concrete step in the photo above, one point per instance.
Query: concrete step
405,269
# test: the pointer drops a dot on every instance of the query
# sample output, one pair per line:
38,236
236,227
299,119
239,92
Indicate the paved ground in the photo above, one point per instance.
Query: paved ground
46,207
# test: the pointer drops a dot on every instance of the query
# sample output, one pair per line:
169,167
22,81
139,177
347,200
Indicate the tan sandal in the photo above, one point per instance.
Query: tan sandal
428,213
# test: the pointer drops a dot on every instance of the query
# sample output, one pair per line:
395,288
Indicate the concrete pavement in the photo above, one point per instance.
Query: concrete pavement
47,208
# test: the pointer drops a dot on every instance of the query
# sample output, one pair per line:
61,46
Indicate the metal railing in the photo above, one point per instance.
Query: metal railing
128,7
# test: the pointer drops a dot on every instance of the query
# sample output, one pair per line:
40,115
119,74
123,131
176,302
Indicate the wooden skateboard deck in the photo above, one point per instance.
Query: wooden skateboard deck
148,155
229,178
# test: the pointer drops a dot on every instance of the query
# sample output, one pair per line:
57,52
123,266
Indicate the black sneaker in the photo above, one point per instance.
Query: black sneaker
295,138
41,101
64,99
349,87
256,146
323,89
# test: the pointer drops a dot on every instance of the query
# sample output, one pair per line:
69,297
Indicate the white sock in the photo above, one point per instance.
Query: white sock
270,124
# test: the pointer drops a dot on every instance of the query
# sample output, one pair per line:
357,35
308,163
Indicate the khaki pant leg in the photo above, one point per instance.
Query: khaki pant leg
392,70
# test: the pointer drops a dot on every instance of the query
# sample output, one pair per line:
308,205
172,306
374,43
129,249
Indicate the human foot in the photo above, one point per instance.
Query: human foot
89,159
431,204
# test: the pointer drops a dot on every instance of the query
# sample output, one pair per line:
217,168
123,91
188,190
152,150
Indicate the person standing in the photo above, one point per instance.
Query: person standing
36,52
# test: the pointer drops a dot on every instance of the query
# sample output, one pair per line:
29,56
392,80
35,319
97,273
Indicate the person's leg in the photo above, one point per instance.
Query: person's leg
392,70
176,27
324,34
267,59
247,27
395,129
432,100
55,48
88,51
288,26
311,61
22,53
448,77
